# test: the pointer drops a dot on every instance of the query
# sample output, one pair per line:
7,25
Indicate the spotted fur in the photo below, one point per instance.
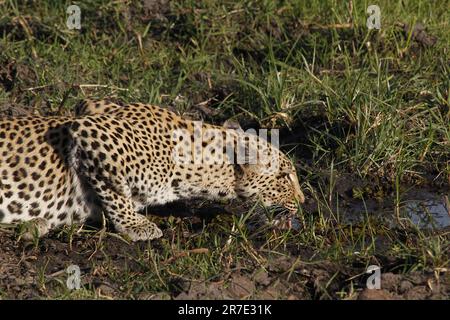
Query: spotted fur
118,159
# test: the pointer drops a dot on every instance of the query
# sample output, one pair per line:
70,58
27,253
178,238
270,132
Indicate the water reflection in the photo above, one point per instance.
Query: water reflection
431,213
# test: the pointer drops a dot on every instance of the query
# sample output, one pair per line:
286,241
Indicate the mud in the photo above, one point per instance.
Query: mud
28,271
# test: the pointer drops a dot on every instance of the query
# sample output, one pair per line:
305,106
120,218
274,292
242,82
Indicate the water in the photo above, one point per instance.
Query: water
425,209
431,213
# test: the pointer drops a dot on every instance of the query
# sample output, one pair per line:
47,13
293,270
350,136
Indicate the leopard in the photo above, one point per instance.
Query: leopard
114,160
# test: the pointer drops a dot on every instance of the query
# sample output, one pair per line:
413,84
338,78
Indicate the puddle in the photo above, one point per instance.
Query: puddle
431,213
296,224
427,210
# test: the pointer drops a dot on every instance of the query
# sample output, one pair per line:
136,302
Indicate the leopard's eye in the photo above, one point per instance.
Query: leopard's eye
283,174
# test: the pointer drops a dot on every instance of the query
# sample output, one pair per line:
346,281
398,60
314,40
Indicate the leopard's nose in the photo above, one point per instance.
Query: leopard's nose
299,196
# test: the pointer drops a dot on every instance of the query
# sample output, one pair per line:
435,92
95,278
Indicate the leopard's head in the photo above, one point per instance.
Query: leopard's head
270,179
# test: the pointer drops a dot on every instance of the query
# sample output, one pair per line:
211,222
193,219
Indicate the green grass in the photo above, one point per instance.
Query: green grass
370,104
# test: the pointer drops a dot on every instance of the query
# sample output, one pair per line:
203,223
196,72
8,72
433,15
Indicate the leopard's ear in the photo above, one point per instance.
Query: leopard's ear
250,153
232,124
254,154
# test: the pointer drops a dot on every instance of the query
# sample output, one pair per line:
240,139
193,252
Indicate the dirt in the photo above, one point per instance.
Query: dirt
22,267
25,28
418,33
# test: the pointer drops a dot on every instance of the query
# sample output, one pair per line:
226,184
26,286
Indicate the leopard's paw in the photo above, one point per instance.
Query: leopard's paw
33,229
144,231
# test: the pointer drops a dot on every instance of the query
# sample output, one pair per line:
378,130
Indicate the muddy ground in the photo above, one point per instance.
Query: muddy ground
21,270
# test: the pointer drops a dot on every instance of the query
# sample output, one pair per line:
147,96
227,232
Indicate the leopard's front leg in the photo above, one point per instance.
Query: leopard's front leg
121,213
100,160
